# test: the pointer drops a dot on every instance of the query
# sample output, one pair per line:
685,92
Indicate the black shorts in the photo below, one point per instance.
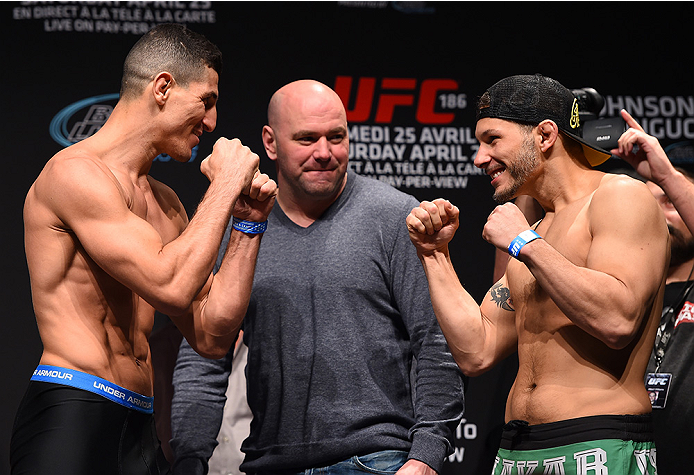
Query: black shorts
61,430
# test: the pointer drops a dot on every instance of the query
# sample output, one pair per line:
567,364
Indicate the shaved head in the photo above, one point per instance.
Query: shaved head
307,137
300,95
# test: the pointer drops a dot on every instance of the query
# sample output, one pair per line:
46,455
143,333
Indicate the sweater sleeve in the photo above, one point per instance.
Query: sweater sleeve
197,407
438,401
438,383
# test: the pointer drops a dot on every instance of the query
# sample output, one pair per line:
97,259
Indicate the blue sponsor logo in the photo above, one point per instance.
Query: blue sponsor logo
84,118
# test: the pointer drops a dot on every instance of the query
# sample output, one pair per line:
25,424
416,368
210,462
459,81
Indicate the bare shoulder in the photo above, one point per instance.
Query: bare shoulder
623,192
75,167
624,202
74,180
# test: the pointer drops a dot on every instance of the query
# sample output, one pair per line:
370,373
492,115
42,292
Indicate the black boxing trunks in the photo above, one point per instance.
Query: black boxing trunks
73,423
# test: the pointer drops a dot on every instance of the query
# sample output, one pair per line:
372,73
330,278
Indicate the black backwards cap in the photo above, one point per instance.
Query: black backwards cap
533,98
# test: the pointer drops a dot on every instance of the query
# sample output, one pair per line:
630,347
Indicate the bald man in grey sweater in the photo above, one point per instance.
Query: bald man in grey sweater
347,366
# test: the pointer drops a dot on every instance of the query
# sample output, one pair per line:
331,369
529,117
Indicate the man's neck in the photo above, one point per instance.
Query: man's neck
303,212
563,181
123,143
302,209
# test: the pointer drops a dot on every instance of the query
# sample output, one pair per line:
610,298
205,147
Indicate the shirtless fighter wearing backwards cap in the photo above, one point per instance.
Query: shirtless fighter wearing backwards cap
581,297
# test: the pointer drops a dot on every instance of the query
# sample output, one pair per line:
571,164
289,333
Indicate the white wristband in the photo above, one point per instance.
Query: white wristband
521,240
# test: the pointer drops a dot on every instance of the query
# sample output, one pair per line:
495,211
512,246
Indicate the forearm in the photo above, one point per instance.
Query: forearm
219,312
478,335
189,259
595,301
458,314
230,292
680,191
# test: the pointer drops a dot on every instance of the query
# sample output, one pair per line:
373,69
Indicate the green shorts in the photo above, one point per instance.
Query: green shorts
595,445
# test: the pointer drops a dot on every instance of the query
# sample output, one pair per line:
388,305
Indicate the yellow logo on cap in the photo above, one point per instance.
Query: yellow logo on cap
573,122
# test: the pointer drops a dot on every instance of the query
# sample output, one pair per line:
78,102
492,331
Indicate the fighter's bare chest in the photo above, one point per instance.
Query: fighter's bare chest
568,233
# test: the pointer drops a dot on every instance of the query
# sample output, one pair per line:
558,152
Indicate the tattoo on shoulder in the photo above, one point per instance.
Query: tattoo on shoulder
501,296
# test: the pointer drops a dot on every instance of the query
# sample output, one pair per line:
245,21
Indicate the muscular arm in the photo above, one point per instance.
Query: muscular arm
166,270
219,309
143,244
627,257
200,386
478,335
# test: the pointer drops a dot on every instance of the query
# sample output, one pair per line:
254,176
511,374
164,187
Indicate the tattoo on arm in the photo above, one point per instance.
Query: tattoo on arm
501,296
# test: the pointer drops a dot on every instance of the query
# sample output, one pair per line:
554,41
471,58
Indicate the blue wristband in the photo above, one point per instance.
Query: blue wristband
249,227
521,240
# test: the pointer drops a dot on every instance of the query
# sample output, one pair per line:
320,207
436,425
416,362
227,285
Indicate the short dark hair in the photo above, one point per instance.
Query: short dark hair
168,47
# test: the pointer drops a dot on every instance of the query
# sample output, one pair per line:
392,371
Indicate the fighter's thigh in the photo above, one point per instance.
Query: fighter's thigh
65,430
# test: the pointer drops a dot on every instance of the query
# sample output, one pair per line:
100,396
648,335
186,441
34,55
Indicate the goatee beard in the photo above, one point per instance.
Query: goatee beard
520,169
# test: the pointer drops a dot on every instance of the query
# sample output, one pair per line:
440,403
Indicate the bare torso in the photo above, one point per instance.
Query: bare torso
87,320
563,371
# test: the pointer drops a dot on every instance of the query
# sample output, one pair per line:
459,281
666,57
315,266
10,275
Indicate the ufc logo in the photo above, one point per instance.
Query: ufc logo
398,92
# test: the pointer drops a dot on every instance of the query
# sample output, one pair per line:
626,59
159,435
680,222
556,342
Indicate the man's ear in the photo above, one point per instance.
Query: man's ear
548,132
163,82
269,142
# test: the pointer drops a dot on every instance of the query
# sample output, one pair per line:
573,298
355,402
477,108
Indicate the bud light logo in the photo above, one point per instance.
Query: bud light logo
84,118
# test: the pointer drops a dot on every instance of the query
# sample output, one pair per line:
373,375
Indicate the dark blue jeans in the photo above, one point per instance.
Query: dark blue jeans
385,462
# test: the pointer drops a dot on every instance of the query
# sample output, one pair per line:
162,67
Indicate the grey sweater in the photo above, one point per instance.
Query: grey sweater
345,354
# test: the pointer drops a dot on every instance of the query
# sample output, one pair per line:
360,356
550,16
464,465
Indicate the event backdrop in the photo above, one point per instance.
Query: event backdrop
409,74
